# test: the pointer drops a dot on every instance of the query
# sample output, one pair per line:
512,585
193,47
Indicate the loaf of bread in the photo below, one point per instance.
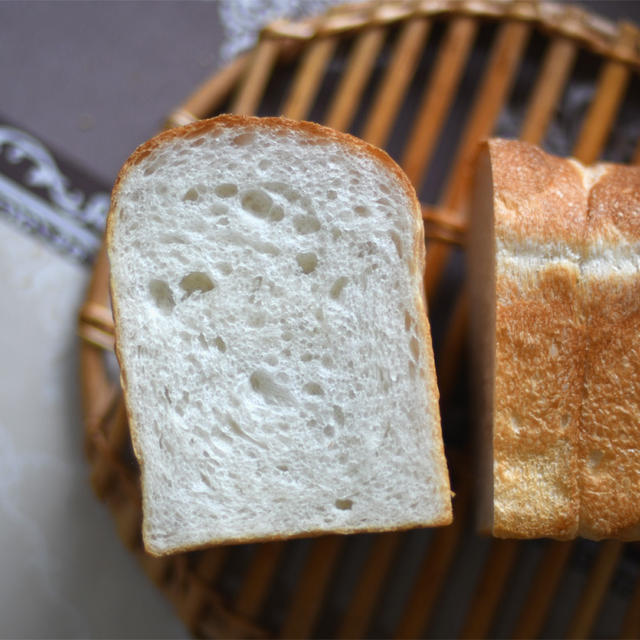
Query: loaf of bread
554,264
276,359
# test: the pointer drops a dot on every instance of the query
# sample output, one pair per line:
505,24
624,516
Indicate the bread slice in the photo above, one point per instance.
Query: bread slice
609,446
538,272
266,278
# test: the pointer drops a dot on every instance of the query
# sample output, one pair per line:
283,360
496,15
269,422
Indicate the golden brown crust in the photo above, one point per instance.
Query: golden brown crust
539,346
539,337
315,134
610,435
566,432
614,206
541,197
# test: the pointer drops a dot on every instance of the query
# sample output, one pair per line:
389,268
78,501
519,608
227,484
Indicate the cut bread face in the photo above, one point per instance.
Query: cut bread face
558,437
275,354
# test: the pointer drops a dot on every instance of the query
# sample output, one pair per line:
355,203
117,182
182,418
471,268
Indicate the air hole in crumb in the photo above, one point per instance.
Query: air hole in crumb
206,480
412,370
287,335
327,361
338,414
338,286
272,360
282,467
415,348
257,202
218,209
305,357
397,243
408,320
172,238
313,389
276,214
264,384
167,395
336,233
191,195
203,341
307,261
257,320
220,344
243,139
196,281
305,224
329,431
161,294
363,212
595,458
151,169
344,504
331,194
264,163
226,190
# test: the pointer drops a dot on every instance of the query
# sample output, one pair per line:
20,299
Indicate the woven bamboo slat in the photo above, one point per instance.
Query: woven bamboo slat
310,590
438,96
396,81
308,78
551,82
256,77
543,590
435,568
489,592
384,58
603,109
365,596
254,591
489,100
631,623
356,74
595,589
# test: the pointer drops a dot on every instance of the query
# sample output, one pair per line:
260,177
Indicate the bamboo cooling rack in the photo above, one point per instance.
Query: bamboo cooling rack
425,79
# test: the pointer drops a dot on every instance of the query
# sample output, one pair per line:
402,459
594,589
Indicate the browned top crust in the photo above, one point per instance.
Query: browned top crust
316,134
614,206
542,196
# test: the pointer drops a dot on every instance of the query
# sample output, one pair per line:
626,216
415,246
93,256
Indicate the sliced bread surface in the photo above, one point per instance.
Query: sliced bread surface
556,319
275,354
